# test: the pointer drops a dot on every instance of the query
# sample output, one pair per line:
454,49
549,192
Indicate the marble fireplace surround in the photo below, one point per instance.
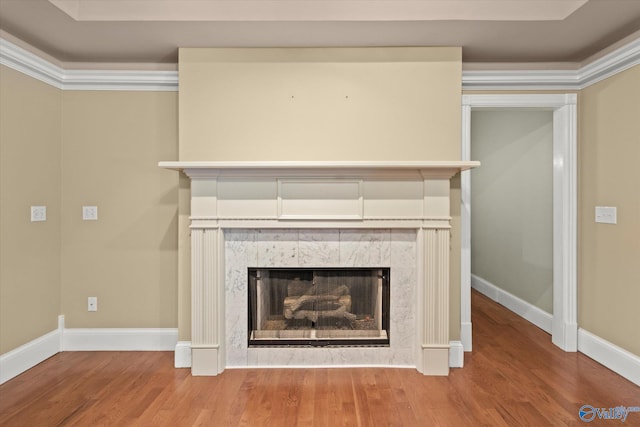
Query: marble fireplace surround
320,214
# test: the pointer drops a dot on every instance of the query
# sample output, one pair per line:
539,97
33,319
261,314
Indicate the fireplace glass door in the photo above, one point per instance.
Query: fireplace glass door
318,307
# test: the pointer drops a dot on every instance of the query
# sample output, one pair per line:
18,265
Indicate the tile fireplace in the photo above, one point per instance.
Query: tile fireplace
255,224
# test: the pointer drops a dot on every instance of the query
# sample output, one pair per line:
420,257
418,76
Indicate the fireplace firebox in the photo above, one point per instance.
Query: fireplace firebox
318,307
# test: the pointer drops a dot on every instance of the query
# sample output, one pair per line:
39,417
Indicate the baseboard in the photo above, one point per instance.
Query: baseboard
456,354
120,339
522,308
182,357
610,355
466,333
25,357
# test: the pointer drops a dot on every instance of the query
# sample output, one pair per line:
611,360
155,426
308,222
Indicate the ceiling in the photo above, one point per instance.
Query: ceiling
151,31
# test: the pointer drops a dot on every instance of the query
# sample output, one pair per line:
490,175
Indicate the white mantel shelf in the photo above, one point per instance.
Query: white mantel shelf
318,168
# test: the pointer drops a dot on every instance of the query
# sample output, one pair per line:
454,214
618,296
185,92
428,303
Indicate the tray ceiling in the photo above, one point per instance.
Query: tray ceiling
144,31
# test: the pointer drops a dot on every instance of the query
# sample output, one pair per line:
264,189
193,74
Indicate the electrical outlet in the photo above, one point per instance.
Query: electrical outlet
92,304
90,213
38,213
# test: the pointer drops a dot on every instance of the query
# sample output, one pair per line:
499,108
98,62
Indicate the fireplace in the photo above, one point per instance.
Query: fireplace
318,307
307,219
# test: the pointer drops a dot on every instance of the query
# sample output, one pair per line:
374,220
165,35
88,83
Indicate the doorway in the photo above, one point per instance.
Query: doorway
563,108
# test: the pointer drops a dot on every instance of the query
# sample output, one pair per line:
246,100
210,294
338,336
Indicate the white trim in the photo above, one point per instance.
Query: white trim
565,225
520,80
522,308
564,330
350,366
466,331
22,60
182,356
25,357
61,330
544,101
610,355
120,339
121,80
300,169
615,62
456,354
465,233
32,65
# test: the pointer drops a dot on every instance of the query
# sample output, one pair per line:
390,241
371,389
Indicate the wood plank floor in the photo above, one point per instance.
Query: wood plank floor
514,376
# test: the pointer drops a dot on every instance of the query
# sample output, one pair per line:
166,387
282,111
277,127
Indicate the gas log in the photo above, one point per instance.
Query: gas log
320,302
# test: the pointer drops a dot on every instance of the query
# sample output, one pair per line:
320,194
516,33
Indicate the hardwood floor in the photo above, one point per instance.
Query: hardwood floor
514,376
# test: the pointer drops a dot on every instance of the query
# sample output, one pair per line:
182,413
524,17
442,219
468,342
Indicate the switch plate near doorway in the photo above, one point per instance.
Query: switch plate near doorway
606,215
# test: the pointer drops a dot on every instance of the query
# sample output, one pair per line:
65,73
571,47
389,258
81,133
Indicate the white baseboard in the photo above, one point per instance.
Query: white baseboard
466,333
25,357
120,339
522,308
456,354
182,357
610,355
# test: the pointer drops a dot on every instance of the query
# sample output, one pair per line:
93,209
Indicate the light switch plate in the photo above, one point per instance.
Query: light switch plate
38,213
90,213
606,215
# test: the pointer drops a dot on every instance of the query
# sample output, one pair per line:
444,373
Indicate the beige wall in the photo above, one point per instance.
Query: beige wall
322,104
30,132
609,255
69,149
512,202
112,143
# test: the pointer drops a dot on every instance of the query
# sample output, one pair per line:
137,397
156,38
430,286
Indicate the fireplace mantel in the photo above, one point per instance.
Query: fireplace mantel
348,195
364,169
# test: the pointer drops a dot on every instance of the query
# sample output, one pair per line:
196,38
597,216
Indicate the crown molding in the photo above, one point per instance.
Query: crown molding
615,62
520,80
32,65
28,63
150,80
13,56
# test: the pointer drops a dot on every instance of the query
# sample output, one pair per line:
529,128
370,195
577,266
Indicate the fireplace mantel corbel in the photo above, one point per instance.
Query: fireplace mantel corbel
312,195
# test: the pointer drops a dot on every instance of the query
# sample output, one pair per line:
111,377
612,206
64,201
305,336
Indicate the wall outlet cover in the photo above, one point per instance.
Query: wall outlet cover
38,213
90,213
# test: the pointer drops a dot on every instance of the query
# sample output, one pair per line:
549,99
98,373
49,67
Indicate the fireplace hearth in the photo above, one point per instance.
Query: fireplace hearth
318,307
